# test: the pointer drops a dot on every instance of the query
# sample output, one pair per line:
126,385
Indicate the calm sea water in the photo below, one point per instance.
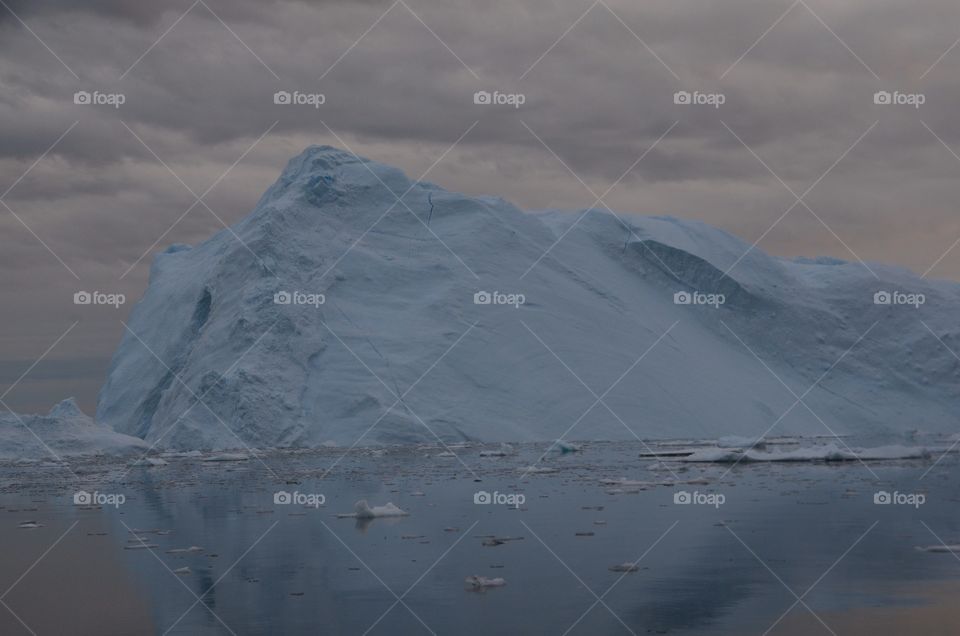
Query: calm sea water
762,537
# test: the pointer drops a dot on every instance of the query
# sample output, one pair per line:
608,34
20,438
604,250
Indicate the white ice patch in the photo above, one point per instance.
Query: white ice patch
363,510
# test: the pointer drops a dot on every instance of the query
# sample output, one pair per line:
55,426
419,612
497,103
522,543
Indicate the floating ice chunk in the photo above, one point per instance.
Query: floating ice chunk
536,470
624,567
827,453
478,582
716,455
227,457
633,485
623,481
492,541
193,454
149,461
565,447
502,451
363,510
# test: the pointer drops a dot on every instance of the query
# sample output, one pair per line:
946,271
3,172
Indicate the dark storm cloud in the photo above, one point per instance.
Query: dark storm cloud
202,94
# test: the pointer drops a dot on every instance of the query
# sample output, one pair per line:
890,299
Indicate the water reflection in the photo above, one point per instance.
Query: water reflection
266,568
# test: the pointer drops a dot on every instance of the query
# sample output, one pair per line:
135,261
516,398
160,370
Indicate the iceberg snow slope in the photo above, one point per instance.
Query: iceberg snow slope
400,352
65,432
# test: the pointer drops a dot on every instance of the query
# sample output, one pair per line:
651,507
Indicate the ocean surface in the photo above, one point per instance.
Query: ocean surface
256,546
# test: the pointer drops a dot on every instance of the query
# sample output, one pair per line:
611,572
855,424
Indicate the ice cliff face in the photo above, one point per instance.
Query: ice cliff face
212,356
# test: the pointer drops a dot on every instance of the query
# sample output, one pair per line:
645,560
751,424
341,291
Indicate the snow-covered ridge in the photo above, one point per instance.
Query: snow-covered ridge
397,288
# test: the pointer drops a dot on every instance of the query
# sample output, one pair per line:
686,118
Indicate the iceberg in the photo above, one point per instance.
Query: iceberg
65,432
340,312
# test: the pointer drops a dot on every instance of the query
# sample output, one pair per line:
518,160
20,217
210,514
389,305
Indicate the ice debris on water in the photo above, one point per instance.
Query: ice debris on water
363,510
227,457
149,462
826,452
478,582
503,450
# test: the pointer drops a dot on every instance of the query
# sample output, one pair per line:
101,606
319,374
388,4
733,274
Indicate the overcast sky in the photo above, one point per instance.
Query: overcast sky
599,78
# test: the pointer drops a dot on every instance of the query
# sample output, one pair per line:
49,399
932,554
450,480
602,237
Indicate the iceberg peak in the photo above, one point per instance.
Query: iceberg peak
66,408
